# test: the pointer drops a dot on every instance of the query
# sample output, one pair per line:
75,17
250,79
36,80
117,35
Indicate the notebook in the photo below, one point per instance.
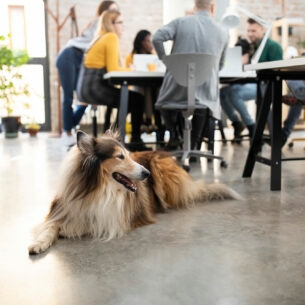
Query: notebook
141,62
233,62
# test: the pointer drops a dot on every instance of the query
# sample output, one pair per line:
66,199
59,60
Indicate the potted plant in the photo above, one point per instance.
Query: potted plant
12,87
32,129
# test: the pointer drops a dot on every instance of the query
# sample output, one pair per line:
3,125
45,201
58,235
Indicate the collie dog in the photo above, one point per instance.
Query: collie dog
105,191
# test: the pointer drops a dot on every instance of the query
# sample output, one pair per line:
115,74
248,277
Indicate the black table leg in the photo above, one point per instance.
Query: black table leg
275,182
256,142
123,109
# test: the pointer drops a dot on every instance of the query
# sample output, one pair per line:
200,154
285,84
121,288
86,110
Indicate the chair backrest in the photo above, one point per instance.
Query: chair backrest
178,65
190,70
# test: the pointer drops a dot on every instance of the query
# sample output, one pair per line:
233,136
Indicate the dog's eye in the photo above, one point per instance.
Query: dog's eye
121,156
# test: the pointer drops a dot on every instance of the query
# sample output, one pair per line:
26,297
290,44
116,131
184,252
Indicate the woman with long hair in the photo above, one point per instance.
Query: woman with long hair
68,63
103,56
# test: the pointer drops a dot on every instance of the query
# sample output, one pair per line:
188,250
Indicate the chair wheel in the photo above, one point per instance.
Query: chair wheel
290,145
223,164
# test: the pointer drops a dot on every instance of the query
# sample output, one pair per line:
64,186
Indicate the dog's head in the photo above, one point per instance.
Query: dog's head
108,154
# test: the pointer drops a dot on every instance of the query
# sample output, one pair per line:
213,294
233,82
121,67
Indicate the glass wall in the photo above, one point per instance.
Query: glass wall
24,21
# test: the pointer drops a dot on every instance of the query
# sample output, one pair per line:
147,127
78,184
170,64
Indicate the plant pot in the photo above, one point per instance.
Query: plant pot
32,132
11,126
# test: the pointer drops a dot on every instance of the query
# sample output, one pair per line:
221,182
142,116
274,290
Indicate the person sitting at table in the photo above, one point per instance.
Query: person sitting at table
191,34
235,96
142,44
295,99
101,57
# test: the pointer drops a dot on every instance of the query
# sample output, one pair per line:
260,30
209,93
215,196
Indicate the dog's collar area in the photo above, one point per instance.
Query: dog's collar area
124,181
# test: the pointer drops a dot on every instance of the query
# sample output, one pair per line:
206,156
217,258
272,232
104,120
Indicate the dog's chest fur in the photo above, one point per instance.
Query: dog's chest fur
102,217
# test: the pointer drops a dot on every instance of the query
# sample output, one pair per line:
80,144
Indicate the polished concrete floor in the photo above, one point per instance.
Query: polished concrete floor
249,252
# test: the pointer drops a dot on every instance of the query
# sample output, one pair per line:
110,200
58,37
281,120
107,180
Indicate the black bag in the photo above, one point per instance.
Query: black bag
93,89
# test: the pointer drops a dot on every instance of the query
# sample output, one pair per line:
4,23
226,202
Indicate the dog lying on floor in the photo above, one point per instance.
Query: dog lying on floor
105,191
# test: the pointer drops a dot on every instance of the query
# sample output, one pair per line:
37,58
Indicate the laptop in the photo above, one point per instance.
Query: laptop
233,62
141,62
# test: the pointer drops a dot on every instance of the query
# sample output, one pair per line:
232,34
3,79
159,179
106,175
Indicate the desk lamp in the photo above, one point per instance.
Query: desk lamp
231,20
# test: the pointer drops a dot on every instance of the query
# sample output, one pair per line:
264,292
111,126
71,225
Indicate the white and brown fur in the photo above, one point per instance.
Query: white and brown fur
91,201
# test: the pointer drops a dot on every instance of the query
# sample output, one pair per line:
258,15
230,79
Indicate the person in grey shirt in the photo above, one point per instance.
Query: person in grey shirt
196,33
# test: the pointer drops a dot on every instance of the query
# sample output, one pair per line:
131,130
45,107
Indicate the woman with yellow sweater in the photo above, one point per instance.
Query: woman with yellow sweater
101,57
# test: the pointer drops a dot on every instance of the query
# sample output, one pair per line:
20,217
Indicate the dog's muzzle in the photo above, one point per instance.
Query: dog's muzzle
127,183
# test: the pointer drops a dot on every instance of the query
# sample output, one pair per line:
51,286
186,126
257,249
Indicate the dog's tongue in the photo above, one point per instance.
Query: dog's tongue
125,181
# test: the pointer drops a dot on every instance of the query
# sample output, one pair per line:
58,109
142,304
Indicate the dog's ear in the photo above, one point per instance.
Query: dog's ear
114,133
85,142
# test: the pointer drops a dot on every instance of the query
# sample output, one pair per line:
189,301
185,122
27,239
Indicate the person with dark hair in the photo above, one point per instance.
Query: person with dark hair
233,98
68,63
142,44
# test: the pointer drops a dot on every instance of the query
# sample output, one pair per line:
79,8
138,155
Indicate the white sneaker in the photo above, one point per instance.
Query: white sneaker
68,140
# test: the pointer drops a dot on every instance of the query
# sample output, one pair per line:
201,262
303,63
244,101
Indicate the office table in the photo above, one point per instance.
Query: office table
124,79
272,73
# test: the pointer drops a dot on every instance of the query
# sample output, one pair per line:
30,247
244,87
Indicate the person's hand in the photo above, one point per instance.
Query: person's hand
132,67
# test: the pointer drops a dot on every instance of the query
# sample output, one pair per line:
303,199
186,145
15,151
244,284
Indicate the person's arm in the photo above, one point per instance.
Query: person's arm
128,60
223,57
112,54
164,34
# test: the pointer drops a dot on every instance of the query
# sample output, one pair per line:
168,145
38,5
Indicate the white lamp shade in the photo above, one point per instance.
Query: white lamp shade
230,19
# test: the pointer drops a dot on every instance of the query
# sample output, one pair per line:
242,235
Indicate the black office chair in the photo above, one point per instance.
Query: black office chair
189,70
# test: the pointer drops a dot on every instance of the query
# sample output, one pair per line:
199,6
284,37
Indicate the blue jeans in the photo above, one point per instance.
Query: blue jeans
233,98
68,63
291,119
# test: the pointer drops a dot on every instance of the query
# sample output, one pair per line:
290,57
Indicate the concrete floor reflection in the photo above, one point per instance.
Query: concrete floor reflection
224,253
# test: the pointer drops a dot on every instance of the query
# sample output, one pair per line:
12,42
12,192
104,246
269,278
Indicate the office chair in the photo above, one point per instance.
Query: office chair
189,70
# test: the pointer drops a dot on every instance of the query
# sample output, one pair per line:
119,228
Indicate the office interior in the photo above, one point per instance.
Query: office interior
222,252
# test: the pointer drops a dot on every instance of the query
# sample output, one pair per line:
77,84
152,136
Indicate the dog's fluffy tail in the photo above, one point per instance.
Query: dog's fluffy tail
214,191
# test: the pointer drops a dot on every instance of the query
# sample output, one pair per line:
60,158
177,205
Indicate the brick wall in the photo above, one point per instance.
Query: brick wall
137,14
142,14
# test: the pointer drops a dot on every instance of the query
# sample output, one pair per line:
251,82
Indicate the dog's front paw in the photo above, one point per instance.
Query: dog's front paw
38,248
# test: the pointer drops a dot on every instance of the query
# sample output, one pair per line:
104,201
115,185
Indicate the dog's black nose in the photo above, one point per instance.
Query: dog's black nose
145,173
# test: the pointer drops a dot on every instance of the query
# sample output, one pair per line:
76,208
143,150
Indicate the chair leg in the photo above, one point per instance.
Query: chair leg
211,135
220,127
94,120
187,152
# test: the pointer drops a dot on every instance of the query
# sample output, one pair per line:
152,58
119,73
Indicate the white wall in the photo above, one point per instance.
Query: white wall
177,8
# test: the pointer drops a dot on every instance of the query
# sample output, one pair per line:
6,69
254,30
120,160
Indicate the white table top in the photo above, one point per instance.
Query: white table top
292,64
136,74
130,74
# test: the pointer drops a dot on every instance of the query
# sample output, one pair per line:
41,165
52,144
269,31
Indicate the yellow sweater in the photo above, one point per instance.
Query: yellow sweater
105,53
129,60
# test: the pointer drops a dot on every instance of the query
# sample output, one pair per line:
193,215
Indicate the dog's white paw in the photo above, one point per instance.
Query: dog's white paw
38,247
